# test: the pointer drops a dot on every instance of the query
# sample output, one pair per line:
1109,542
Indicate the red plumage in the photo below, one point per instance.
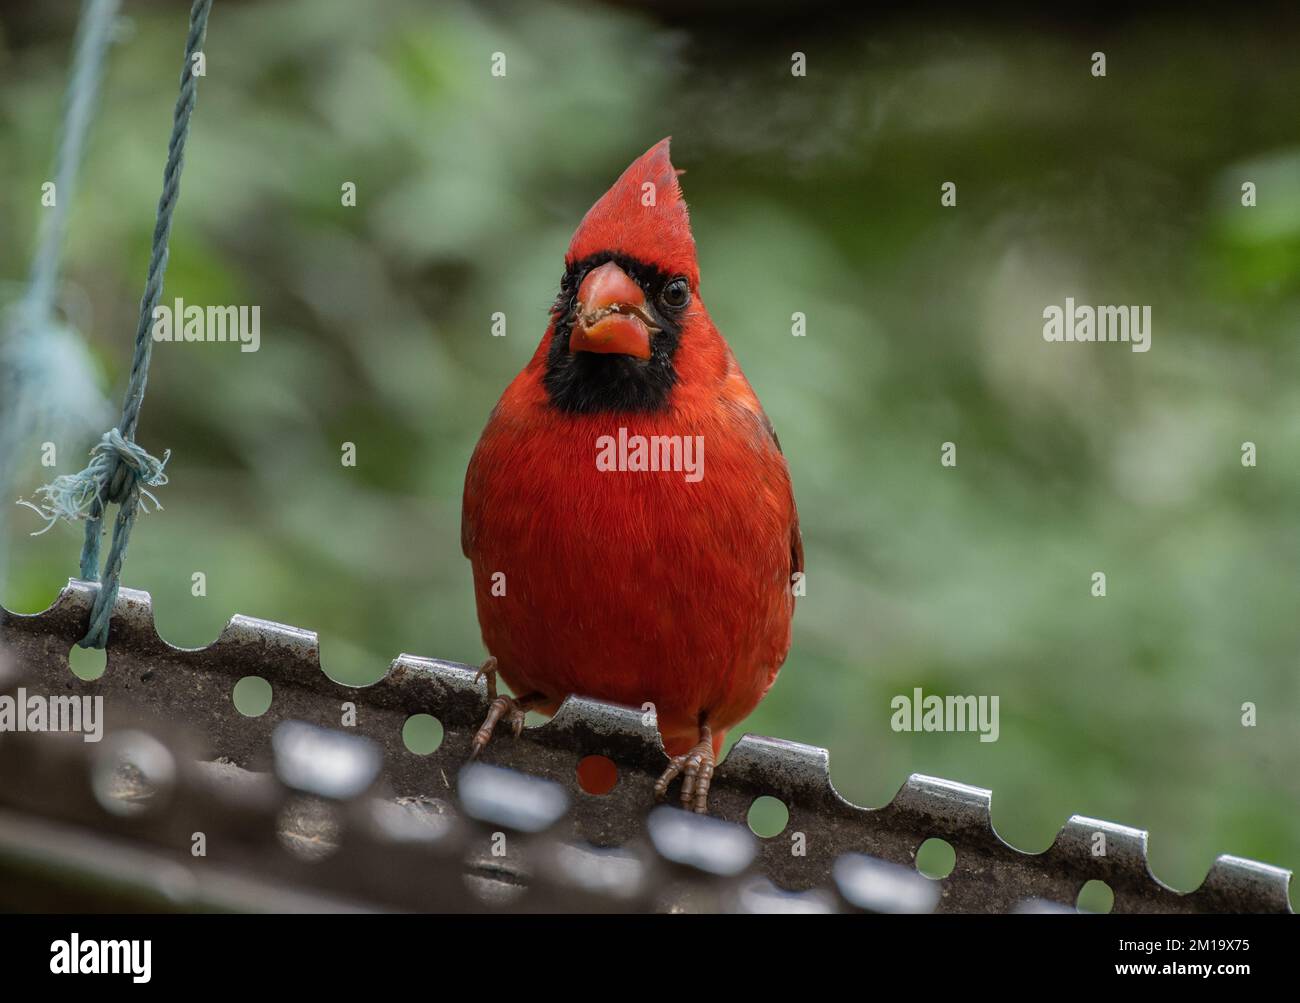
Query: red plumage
629,586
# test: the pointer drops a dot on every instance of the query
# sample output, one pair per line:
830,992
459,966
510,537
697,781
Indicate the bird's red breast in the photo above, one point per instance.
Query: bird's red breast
672,586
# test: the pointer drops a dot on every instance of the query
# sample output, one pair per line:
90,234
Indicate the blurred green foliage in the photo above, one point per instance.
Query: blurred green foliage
816,194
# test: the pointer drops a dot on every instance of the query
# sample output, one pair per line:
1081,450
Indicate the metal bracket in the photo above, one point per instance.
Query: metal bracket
190,689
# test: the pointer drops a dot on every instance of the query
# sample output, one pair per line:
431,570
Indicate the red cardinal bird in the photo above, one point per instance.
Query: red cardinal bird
655,570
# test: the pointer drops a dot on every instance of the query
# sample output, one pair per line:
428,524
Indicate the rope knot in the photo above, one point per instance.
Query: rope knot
128,464
121,472
119,467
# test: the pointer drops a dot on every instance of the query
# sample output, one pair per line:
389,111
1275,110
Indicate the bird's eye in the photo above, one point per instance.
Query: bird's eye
676,294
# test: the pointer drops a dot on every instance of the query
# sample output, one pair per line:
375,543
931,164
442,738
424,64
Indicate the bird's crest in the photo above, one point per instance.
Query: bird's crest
643,216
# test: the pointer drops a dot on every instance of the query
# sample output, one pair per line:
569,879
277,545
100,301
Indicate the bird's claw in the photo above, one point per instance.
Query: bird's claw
696,769
488,671
513,711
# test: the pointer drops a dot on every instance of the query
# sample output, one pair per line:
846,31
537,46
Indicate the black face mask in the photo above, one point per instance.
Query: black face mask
587,382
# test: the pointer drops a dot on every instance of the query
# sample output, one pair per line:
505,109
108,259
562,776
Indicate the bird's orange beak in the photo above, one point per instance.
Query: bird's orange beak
612,315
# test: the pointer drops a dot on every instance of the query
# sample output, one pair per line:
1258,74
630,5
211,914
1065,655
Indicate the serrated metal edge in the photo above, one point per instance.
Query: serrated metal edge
990,874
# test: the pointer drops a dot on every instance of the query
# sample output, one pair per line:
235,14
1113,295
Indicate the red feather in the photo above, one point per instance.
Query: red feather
637,587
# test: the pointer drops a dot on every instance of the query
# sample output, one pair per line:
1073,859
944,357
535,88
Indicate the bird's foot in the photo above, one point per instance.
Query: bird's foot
512,710
696,769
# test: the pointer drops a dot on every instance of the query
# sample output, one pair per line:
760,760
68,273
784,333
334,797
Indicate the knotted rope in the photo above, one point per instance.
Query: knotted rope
120,471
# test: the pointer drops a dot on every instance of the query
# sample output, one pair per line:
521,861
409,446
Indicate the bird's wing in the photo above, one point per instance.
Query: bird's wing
796,537
469,503
737,392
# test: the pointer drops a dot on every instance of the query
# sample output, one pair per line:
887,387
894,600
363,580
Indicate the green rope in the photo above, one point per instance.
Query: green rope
31,343
120,470
94,35
71,496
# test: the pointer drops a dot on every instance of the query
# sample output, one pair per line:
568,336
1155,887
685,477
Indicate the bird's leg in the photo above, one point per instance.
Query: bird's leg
513,710
696,768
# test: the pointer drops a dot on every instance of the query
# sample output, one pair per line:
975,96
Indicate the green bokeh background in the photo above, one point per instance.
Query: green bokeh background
817,194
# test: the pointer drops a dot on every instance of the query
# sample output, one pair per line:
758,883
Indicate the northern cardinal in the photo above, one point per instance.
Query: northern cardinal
665,580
